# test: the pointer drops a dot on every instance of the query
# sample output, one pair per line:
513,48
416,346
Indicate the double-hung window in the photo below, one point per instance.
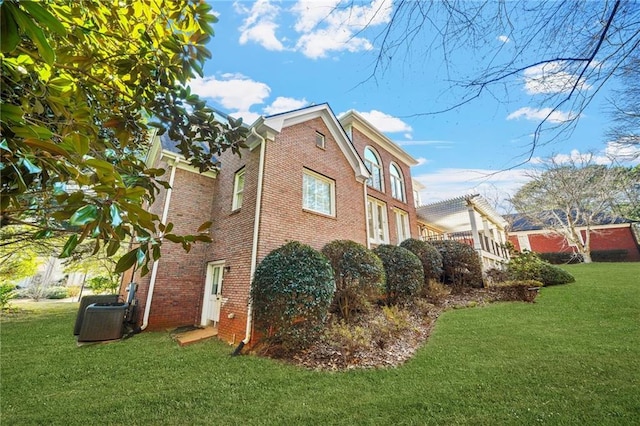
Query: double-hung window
402,225
397,183
378,224
318,193
238,189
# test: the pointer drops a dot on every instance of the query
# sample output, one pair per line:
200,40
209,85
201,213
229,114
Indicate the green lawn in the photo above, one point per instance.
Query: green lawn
573,357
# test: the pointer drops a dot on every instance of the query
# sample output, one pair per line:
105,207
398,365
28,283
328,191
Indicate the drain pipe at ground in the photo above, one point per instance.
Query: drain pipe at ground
254,247
154,268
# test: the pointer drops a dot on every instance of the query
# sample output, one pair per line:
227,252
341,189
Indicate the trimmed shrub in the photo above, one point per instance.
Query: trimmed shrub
460,263
7,292
429,256
553,275
496,275
559,258
404,272
619,255
529,266
291,292
57,292
359,276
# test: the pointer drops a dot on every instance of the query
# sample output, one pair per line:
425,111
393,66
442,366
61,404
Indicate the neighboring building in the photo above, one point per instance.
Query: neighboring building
612,238
468,219
305,176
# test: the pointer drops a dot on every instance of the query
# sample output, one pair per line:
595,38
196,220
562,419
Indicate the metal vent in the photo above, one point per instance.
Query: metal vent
88,300
102,322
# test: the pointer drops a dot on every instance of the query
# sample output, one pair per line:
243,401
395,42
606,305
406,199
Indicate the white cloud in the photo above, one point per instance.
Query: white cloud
385,122
236,93
612,153
326,26
503,38
445,184
322,26
260,25
551,77
541,114
421,161
624,152
283,104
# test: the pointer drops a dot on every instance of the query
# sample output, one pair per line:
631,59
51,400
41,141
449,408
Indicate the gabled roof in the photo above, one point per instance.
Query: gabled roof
453,215
522,223
273,124
352,118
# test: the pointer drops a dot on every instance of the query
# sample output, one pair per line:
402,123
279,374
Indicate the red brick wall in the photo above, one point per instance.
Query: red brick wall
283,218
177,296
361,141
603,239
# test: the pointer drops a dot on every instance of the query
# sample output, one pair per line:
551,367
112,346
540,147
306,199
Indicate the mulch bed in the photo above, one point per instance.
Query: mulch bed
418,322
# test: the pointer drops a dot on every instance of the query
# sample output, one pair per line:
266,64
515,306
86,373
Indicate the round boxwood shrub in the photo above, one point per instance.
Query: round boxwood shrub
429,256
529,266
359,276
291,293
460,264
403,270
554,275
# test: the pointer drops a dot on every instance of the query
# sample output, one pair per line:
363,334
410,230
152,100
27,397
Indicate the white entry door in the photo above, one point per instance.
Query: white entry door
212,293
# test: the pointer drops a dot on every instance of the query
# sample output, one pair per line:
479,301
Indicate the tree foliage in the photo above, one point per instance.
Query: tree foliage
570,194
84,85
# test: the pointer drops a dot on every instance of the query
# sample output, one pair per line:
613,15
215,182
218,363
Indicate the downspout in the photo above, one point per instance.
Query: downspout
154,268
254,247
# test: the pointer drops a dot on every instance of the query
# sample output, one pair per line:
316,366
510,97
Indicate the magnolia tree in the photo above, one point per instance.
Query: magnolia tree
569,197
84,85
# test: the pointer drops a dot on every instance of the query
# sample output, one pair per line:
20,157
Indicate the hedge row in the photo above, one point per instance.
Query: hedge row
295,286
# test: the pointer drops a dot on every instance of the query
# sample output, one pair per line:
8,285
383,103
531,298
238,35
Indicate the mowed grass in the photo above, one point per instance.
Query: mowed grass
573,357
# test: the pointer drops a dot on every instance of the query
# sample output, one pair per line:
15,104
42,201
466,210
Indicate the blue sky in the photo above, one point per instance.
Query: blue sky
274,56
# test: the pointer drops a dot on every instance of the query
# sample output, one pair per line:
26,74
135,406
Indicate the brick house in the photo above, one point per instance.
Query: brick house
305,176
612,238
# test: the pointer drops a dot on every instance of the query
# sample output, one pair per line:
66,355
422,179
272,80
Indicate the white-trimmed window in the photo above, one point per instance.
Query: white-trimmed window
397,183
318,193
378,224
374,165
402,225
320,141
238,189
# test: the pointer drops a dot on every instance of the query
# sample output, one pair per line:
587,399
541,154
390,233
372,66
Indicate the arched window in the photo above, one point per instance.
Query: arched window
397,183
373,163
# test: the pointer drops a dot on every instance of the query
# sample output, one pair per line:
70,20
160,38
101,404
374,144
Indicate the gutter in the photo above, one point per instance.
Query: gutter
154,268
254,246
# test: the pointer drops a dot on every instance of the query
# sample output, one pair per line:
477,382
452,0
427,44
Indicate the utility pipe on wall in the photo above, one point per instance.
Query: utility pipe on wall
154,268
254,246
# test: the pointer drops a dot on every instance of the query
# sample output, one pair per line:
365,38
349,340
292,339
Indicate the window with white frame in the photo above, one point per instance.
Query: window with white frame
378,225
238,189
318,193
374,165
397,183
402,225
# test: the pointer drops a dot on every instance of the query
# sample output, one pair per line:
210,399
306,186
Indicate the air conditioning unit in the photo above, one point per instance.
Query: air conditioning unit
102,321
88,300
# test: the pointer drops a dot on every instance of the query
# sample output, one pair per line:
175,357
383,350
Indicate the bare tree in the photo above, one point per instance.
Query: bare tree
625,110
565,51
569,197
